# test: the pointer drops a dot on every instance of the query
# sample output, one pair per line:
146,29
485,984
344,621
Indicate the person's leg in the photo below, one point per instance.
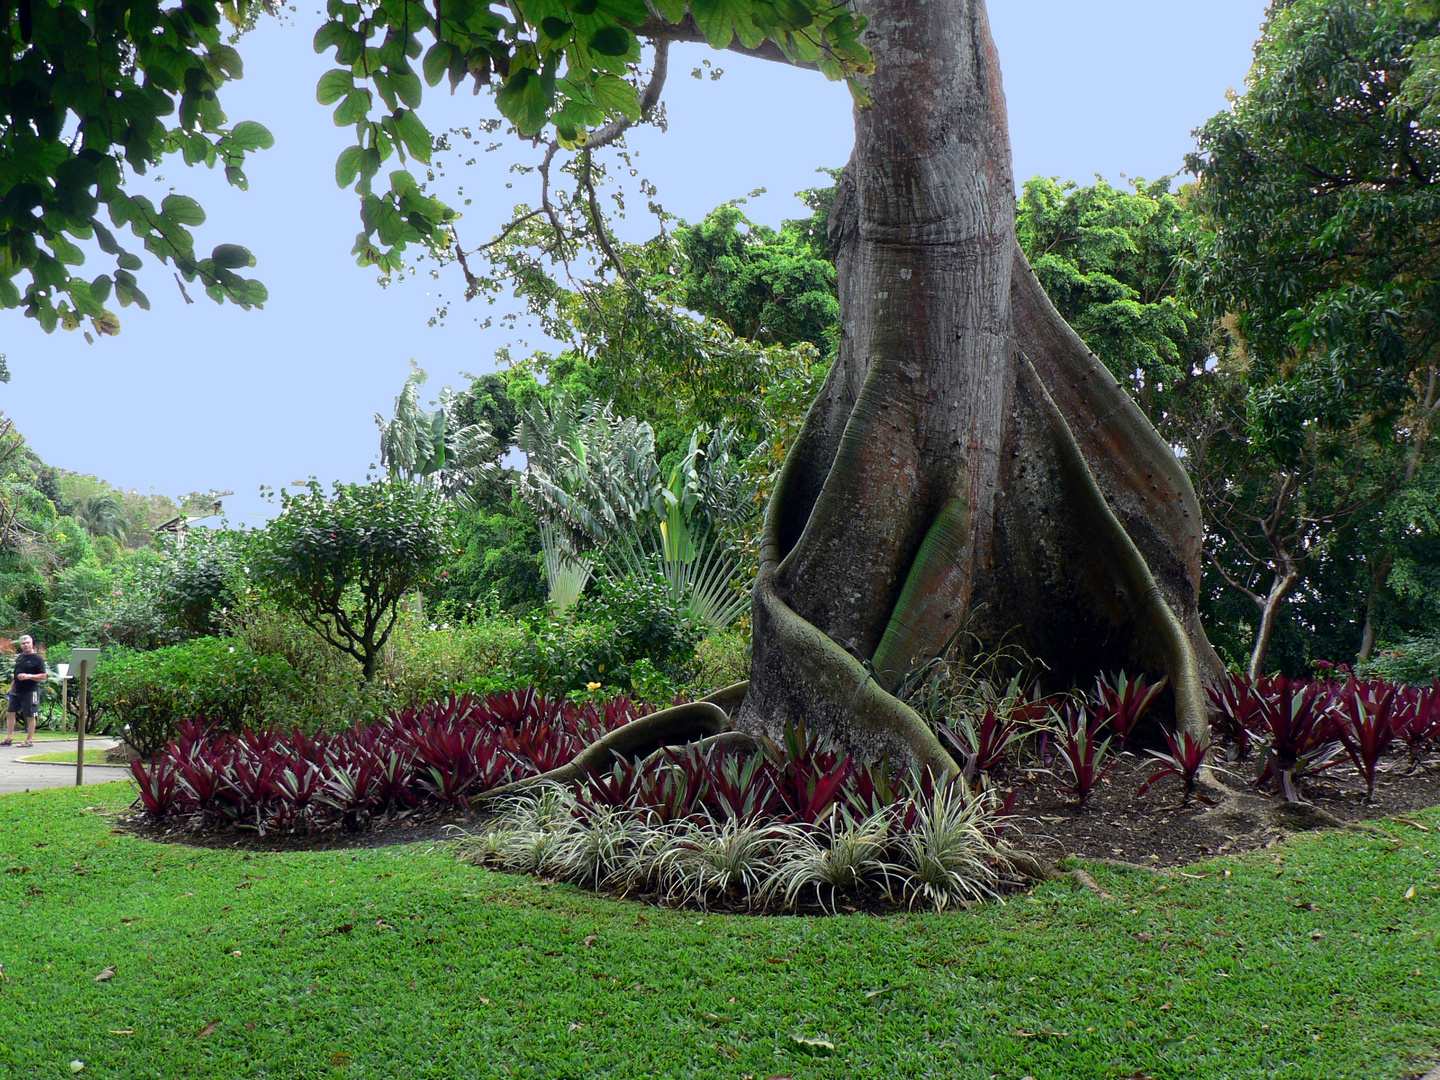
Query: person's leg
9,729
30,728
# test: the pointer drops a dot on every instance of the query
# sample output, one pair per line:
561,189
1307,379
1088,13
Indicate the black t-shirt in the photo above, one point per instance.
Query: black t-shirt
28,664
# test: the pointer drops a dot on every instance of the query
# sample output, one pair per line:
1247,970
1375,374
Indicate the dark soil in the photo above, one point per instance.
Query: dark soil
425,826
1157,830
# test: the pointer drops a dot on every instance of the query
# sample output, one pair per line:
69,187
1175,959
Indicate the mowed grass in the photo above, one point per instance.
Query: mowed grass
1311,960
67,757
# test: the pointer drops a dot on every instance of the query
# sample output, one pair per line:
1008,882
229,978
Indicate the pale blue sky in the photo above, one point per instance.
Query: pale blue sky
201,396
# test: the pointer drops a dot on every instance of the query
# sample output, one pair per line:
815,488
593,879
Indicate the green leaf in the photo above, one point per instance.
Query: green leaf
347,165
556,28
354,108
182,210
673,10
611,41
617,95
229,60
407,85
525,99
129,262
232,256
716,20
332,34
249,136
334,85
413,134
437,61
100,288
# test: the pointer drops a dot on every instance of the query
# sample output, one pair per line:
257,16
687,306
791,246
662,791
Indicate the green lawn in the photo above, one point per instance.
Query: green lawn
67,757
401,962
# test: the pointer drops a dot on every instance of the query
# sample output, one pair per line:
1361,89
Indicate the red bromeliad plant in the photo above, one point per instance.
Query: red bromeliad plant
438,755
1422,720
1237,713
1302,732
1122,702
1085,754
1185,758
981,747
1372,716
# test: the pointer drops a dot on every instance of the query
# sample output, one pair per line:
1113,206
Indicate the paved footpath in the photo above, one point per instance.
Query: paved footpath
18,775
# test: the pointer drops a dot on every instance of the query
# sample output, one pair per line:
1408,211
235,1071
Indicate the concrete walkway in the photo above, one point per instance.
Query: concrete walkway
18,775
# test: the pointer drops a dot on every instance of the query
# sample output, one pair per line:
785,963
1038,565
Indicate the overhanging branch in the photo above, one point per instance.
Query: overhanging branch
657,30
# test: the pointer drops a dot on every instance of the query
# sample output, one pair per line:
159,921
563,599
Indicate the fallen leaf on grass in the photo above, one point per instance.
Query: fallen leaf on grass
236,952
872,994
76,1065
17,869
121,1031
813,1046
1409,893
344,928
575,1027
1041,1034
106,975
590,939
207,1029
339,1059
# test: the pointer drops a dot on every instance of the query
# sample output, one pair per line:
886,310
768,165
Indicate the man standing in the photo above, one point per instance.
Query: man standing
24,697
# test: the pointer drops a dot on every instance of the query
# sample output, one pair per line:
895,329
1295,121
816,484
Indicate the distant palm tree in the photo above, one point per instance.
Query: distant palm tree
102,514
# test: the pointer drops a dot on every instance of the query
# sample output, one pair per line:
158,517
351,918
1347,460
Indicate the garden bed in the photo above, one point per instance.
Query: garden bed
788,825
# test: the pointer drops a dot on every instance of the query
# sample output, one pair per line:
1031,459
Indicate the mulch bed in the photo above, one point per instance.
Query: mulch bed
1157,831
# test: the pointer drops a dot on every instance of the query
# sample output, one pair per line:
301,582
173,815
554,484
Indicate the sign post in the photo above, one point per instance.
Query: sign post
63,670
82,660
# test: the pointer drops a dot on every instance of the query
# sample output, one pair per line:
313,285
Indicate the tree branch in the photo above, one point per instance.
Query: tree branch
658,30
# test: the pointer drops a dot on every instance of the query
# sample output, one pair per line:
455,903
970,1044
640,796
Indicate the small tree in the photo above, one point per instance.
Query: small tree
343,563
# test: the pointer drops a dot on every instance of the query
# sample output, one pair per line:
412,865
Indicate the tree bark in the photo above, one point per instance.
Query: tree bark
1281,587
968,461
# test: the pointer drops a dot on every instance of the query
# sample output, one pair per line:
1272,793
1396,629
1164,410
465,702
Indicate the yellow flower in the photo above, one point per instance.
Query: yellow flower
592,686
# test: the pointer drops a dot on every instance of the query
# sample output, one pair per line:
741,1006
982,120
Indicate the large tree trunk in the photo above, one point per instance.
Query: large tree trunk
968,461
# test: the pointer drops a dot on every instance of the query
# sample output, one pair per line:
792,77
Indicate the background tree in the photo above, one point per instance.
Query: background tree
1110,261
344,562
1318,187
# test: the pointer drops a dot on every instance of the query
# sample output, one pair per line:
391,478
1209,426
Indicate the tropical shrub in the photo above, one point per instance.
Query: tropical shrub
143,696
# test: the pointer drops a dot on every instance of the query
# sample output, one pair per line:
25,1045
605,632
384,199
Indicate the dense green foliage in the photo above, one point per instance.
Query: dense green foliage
1318,187
140,696
1302,961
1316,215
97,91
1110,260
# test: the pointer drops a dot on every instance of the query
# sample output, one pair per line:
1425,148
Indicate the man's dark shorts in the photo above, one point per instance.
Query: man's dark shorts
23,703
